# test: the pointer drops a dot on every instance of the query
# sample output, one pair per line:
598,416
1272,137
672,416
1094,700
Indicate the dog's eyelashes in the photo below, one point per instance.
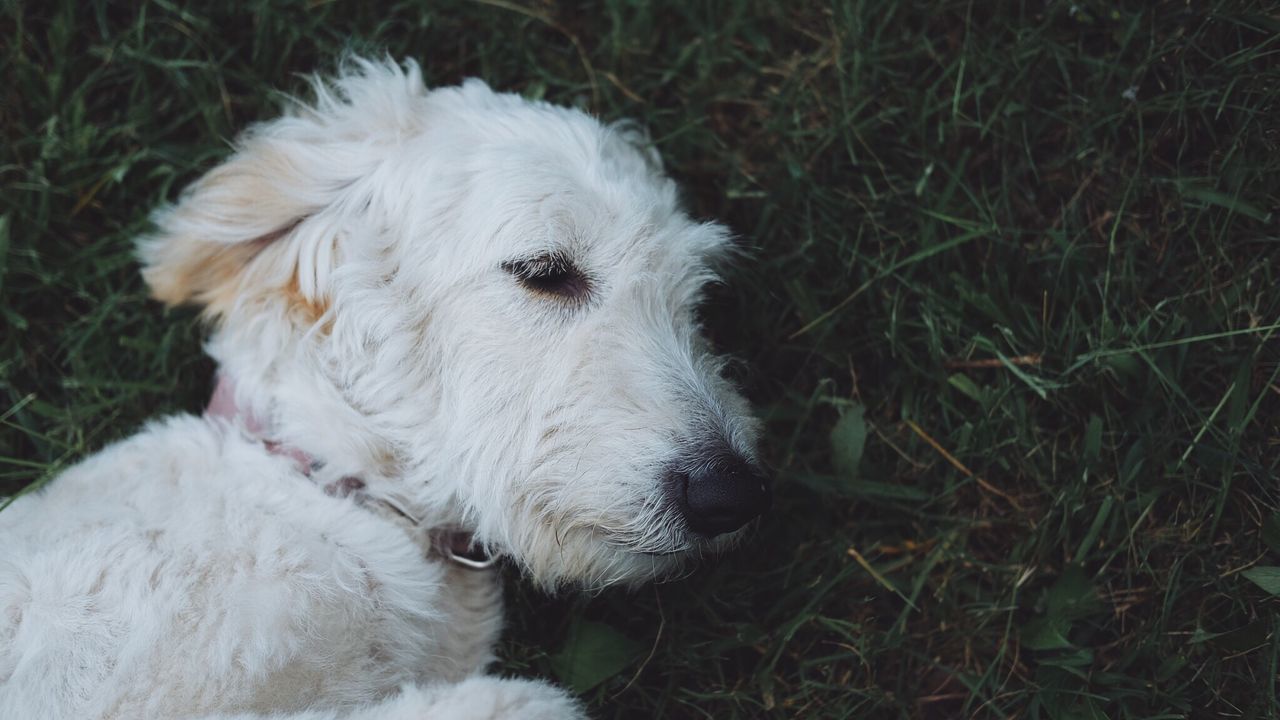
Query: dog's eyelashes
552,274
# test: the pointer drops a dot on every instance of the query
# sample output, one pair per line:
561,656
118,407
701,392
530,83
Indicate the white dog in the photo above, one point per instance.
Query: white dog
450,325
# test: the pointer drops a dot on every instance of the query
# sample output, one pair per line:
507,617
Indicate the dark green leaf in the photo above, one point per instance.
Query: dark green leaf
1266,577
966,386
1093,439
1271,532
593,653
848,438
1045,634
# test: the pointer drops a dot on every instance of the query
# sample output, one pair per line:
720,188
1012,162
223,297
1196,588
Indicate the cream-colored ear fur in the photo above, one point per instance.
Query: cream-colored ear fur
233,219
267,221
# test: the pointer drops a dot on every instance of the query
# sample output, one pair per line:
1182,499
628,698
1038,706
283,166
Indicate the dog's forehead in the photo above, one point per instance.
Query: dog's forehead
607,226
535,178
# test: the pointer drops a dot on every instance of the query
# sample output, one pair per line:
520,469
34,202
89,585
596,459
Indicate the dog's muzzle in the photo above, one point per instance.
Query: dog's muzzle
718,491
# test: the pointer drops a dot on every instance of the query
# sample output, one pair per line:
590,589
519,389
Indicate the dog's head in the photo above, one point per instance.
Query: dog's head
484,303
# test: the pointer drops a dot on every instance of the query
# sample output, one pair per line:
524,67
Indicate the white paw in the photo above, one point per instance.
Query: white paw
490,698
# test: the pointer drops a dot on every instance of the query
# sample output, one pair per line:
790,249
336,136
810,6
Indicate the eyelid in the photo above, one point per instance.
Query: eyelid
552,274
545,261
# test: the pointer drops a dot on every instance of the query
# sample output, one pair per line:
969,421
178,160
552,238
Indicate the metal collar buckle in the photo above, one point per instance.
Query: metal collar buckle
453,544
457,547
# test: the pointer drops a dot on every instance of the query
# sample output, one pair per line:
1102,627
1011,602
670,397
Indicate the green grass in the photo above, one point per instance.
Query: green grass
1010,314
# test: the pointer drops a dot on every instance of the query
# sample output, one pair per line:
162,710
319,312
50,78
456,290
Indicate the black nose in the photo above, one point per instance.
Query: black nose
718,491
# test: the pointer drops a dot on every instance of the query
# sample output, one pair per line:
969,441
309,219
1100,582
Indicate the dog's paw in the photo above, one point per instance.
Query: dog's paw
492,698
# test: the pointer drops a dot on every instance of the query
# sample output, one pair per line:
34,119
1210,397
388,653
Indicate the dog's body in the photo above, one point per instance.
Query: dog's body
190,569
450,314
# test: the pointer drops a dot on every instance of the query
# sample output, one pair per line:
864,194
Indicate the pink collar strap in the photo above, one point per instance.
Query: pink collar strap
458,546
223,405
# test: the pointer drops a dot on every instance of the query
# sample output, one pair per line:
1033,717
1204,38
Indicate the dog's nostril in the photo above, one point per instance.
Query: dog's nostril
720,494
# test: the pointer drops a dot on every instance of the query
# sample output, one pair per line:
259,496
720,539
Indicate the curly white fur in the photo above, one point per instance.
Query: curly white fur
352,258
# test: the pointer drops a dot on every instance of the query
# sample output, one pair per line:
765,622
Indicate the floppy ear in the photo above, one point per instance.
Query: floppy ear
224,222
268,219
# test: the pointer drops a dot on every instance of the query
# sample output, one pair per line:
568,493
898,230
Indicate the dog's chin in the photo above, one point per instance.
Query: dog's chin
594,560
689,547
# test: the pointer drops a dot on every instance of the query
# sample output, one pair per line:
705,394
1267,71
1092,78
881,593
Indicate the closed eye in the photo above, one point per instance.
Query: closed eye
552,275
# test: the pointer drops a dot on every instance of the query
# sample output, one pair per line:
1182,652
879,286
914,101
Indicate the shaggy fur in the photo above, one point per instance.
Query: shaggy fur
359,259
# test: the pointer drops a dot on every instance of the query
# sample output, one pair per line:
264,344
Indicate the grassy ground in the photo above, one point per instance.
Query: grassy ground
1011,318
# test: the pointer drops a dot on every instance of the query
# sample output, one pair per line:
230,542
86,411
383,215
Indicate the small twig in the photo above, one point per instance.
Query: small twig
1032,359
880,578
551,23
1242,653
635,97
1076,196
662,622
940,698
961,467
902,453
1245,566
89,195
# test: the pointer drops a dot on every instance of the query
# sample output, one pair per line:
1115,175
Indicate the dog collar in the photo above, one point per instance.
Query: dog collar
222,404
451,543
458,547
